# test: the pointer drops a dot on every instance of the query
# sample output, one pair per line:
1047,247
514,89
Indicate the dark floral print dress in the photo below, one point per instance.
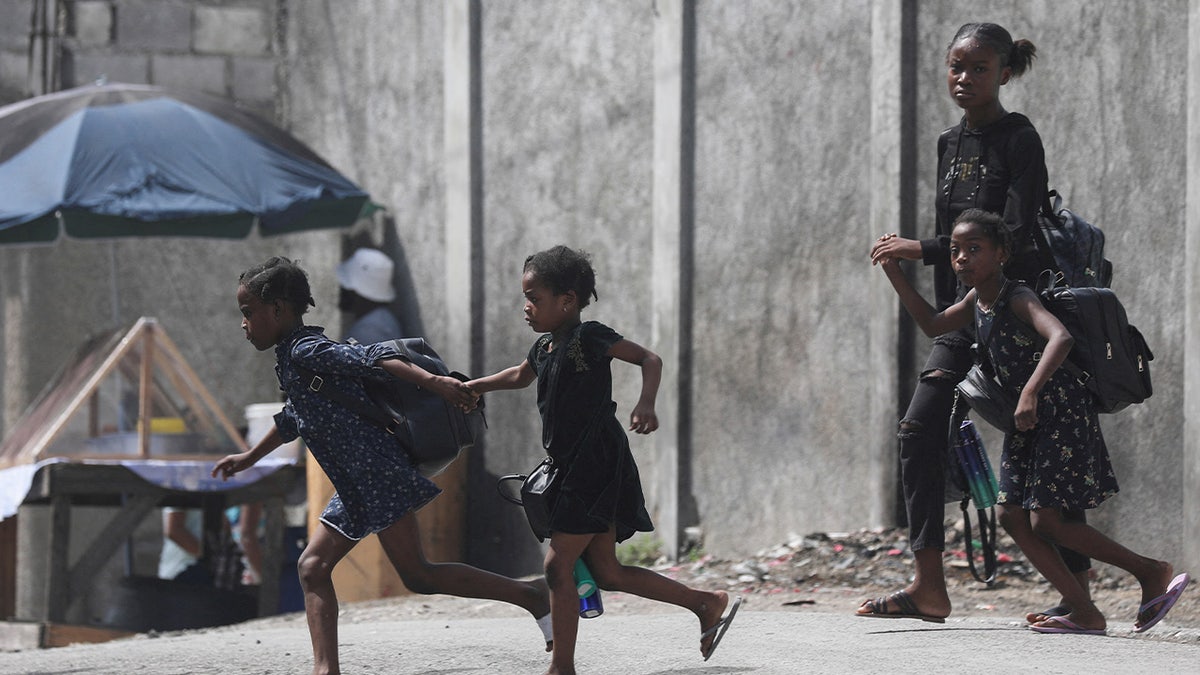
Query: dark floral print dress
374,477
1062,462
601,487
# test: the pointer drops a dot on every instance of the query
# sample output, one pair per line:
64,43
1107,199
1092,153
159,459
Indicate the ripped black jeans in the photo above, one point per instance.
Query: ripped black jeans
923,436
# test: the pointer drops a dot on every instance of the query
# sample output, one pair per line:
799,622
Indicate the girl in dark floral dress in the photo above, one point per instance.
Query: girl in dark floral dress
378,489
1056,459
600,499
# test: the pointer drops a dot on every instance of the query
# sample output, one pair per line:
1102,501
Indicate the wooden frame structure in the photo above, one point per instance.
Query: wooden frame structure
75,409
165,384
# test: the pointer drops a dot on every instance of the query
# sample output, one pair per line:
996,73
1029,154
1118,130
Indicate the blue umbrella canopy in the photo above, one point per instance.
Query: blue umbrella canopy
119,160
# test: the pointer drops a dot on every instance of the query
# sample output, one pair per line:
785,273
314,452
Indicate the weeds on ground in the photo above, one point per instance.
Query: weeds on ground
642,550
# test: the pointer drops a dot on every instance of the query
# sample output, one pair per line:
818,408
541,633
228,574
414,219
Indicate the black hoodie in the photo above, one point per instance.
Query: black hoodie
999,168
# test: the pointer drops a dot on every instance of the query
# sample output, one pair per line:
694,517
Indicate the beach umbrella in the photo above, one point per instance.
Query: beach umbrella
120,160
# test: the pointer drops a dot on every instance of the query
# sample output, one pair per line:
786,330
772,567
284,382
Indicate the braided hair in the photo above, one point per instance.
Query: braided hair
279,278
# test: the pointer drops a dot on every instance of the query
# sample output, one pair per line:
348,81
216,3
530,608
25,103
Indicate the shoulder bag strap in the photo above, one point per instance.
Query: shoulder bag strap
370,412
986,518
1068,365
987,542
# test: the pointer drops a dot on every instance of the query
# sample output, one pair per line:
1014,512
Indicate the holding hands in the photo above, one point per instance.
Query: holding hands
891,248
455,392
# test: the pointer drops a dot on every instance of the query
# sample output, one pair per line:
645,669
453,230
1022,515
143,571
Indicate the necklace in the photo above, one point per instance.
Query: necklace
990,310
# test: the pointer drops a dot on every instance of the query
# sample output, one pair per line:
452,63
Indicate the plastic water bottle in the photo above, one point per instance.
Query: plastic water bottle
584,583
590,605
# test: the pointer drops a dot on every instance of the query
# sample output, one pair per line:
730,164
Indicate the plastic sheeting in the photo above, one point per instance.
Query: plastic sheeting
190,476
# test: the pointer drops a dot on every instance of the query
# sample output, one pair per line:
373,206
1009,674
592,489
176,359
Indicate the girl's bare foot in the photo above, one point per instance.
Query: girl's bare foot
1083,623
912,602
1156,584
710,615
1156,606
1061,609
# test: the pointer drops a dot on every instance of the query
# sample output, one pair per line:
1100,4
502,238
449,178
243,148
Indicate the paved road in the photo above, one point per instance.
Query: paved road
638,644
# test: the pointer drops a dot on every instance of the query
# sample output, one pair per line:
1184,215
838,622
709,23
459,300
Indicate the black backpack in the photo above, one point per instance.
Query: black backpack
1071,246
1110,356
432,431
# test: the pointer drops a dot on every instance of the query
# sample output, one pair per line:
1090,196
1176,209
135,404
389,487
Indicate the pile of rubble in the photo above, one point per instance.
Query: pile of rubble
862,559
836,570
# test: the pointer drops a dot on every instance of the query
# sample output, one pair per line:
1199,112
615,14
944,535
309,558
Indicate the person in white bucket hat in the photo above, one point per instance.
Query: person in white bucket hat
366,289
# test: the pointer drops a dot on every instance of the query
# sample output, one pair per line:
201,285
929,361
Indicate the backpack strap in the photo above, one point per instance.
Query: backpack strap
368,411
981,350
1049,213
1081,375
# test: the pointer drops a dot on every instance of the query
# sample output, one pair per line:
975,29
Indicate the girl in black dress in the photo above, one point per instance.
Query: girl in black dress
600,501
1056,459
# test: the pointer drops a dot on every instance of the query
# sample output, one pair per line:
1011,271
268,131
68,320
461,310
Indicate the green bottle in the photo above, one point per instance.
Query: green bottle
584,583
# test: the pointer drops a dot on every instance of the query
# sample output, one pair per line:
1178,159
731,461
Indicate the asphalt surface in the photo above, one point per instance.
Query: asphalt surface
633,643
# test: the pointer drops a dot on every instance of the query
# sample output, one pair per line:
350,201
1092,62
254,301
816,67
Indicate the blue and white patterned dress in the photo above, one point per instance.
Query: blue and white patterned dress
1062,462
374,477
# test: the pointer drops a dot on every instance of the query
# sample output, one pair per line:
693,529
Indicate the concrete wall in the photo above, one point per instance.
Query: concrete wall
727,165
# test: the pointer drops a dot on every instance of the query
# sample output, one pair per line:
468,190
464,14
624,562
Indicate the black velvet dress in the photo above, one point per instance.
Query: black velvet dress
600,487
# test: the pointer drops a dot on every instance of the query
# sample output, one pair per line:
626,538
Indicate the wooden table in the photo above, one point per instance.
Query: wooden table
67,484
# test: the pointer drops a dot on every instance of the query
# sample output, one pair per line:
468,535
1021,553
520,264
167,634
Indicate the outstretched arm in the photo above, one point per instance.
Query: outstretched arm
516,377
454,391
643,419
931,321
229,465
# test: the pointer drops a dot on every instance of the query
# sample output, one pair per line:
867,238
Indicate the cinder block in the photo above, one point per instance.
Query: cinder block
93,22
198,73
254,81
129,68
154,24
20,635
231,30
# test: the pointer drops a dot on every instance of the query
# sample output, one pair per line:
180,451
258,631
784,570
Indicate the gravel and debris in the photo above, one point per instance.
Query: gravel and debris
830,572
837,570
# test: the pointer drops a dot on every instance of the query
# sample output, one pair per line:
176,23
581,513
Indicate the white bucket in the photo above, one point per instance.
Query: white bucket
260,418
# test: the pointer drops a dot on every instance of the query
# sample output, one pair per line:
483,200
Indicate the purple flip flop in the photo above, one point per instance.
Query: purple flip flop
1065,626
1166,601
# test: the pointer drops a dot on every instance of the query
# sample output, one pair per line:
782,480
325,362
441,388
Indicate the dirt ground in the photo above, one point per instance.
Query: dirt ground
834,572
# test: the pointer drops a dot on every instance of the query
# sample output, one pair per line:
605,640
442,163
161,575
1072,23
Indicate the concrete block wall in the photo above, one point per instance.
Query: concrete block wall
491,130
221,48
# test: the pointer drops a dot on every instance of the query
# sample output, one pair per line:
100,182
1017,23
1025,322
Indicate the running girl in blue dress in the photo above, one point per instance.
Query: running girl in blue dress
600,499
1056,459
378,490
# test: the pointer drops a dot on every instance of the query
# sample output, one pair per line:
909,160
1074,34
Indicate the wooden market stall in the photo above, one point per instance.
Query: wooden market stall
125,424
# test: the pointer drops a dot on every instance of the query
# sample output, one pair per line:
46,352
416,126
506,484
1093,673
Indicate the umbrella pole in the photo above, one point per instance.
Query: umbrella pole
112,284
